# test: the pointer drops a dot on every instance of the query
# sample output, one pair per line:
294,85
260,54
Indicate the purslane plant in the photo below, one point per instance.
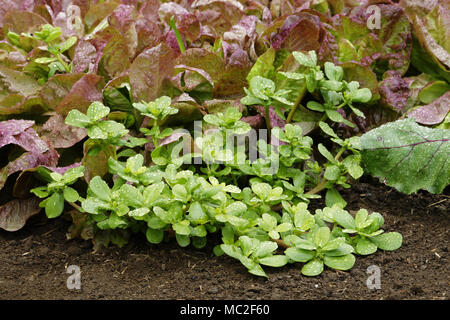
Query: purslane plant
57,191
263,215
328,84
156,110
51,37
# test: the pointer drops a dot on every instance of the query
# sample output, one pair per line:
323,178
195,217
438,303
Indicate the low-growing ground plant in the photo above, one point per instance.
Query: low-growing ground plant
177,126
264,219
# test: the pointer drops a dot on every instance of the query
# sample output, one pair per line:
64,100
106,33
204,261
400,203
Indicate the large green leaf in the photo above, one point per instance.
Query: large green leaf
408,156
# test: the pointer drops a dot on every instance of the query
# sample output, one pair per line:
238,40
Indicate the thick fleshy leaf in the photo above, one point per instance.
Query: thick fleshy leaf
299,255
313,268
154,236
54,205
388,241
408,156
433,113
274,261
14,214
364,246
364,75
340,263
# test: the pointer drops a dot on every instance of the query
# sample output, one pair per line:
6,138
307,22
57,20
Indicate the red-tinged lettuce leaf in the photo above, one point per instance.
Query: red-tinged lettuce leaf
97,13
10,57
430,52
57,88
408,156
231,10
432,27
172,41
186,22
117,95
433,113
228,77
61,135
64,92
21,133
188,111
85,91
149,70
85,58
280,8
148,33
416,84
212,24
256,121
149,9
189,78
16,104
299,32
12,81
7,6
394,91
384,48
115,59
244,35
14,214
437,22
28,160
438,53
22,21
124,19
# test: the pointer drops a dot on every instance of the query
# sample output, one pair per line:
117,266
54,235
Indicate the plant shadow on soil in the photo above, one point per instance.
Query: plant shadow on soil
33,261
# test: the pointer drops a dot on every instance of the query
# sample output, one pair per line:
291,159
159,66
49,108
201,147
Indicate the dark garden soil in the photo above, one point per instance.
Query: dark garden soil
33,261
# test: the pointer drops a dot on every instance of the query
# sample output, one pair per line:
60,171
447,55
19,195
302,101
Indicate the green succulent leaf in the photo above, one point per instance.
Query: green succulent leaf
313,268
340,263
54,205
388,241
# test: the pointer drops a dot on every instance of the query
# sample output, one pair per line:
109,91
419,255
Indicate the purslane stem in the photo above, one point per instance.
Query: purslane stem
63,63
267,116
294,108
321,185
73,204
